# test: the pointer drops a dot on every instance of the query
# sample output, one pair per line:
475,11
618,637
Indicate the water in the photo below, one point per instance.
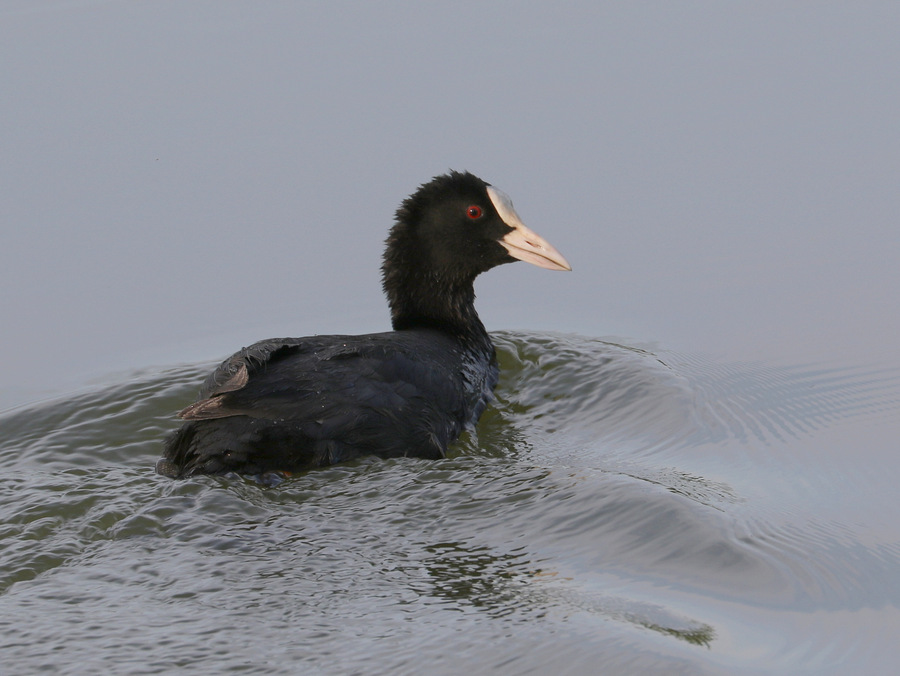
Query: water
620,506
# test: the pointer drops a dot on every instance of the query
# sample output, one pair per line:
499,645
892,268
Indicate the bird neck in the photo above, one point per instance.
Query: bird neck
429,301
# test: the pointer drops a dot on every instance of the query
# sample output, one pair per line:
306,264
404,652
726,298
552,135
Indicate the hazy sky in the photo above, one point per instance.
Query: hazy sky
183,178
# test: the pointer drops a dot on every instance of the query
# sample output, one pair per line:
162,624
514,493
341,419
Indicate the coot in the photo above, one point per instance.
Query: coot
290,404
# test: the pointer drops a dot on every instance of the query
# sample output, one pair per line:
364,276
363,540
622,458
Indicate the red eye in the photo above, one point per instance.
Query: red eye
474,212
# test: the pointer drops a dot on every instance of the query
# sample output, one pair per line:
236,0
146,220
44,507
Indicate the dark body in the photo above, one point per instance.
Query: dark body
295,403
388,394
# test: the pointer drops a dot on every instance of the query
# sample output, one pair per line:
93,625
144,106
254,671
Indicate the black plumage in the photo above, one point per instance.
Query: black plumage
296,403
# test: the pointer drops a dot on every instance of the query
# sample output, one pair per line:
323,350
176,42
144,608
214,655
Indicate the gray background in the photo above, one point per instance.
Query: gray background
180,179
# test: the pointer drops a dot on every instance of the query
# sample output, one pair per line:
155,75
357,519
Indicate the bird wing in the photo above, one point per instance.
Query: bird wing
336,382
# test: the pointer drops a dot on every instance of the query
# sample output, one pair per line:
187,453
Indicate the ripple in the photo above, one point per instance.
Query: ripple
602,506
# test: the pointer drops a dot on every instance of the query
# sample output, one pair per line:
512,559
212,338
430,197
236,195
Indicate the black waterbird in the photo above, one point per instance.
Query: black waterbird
290,404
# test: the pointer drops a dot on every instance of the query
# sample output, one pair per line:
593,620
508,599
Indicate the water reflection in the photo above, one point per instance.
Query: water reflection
506,584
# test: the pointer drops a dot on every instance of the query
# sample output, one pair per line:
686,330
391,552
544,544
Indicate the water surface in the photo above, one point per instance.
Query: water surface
619,505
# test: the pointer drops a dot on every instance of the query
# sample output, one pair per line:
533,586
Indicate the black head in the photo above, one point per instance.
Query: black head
459,226
448,232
